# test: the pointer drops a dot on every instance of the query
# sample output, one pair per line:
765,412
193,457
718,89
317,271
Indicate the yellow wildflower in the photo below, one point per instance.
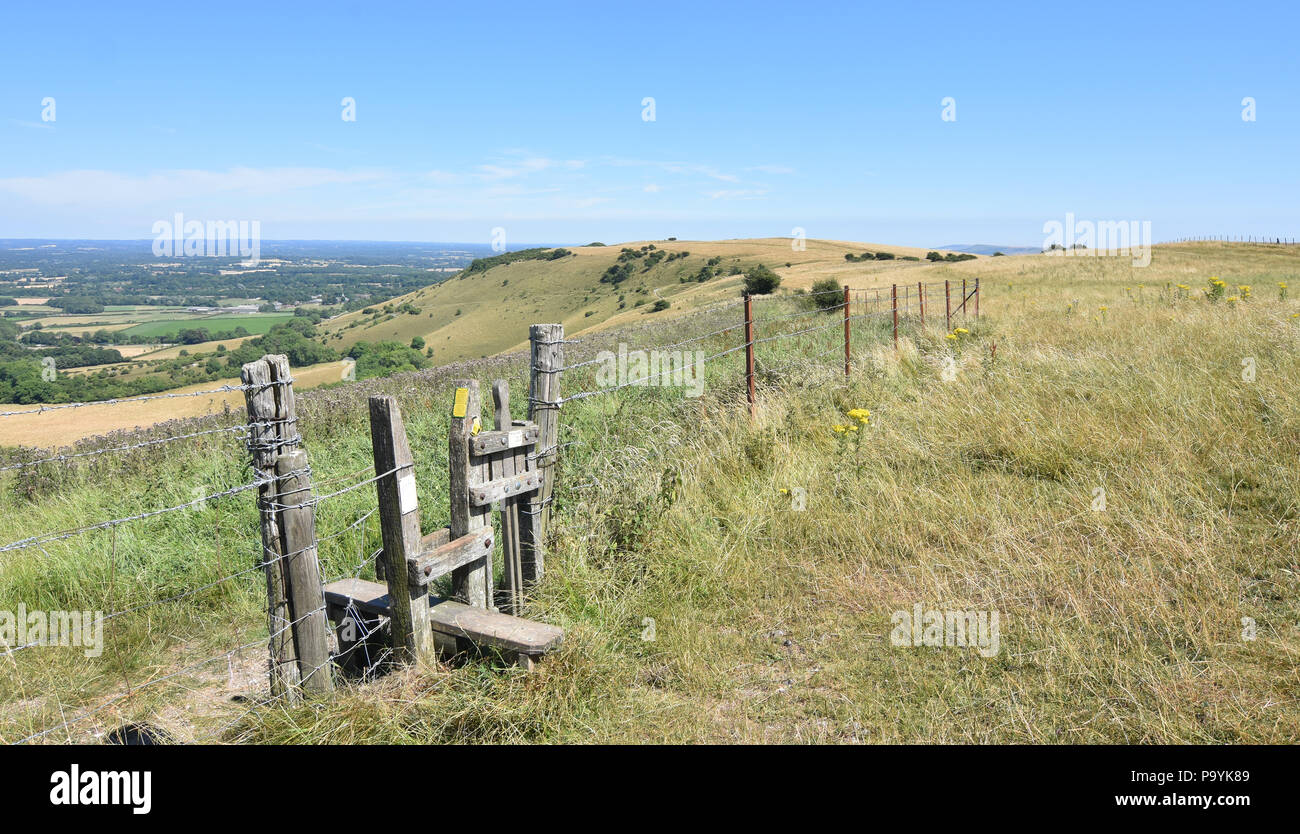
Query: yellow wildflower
961,330
951,337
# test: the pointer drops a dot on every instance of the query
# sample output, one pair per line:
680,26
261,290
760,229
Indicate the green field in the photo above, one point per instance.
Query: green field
254,323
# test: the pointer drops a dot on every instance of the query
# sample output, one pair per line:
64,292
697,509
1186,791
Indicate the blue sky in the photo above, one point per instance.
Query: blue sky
768,116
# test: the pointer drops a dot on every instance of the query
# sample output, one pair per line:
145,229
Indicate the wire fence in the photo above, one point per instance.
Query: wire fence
88,566
1261,239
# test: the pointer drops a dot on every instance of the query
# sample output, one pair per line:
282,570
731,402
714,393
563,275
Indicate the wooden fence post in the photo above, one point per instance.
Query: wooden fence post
399,520
471,583
749,353
947,304
273,429
846,330
306,599
546,363
893,294
511,526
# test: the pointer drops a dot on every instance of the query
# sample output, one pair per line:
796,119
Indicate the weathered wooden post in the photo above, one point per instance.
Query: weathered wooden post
302,569
749,353
508,465
947,304
893,294
846,330
268,395
546,353
399,521
471,583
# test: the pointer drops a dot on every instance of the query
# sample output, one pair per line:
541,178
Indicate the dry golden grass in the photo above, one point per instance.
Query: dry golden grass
489,313
1121,625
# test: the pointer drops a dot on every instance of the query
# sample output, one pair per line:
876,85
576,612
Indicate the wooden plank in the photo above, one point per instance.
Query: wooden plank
507,465
437,538
546,351
298,528
455,619
471,582
507,487
511,437
442,559
399,519
492,628
368,597
264,442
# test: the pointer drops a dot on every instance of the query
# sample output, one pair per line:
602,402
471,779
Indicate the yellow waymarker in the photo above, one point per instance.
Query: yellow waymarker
461,403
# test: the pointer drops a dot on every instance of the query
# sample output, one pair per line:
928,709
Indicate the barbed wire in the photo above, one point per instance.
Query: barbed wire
243,427
104,525
121,401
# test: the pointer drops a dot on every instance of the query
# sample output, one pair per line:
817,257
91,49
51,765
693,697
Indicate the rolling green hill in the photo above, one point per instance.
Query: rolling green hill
481,312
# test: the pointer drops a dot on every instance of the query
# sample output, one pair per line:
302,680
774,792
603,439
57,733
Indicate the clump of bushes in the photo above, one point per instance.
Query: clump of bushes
760,280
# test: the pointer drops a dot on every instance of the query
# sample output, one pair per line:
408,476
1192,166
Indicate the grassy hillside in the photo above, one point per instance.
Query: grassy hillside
771,624
482,313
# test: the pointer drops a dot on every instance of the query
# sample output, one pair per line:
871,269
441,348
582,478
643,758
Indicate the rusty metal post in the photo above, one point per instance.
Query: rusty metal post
846,330
749,352
920,300
947,303
893,294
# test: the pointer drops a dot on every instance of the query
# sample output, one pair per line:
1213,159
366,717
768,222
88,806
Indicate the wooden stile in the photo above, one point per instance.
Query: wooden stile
399,519
510,463
471,583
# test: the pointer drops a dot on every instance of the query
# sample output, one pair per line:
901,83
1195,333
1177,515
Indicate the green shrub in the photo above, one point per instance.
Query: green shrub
760,280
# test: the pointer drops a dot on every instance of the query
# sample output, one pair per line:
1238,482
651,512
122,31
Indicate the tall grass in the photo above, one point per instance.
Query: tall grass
771,624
